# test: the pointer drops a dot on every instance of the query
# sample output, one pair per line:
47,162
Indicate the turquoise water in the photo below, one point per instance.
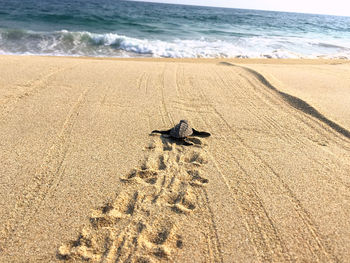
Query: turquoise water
113,28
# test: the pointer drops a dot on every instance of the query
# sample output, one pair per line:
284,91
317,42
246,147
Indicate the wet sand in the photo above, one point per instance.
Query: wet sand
83,179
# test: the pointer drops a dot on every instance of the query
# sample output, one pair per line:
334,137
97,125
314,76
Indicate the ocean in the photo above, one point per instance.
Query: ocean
112,28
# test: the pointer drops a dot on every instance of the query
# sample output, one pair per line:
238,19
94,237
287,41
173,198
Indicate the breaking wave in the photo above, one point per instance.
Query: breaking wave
67,43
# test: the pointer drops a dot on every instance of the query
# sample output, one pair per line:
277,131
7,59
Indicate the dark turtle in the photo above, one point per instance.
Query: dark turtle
181,131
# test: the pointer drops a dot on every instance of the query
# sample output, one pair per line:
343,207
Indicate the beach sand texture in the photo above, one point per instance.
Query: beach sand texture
83,179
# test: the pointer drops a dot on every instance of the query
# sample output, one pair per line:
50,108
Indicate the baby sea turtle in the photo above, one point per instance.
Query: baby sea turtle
181,131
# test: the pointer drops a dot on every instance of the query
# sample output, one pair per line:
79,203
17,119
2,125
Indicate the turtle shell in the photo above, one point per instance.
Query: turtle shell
181,130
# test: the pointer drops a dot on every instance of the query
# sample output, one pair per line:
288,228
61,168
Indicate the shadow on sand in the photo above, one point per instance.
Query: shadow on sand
295,102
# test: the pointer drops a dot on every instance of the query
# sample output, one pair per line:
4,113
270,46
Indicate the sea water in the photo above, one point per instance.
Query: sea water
113,28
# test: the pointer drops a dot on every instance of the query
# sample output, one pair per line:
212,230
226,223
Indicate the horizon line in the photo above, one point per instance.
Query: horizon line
226,7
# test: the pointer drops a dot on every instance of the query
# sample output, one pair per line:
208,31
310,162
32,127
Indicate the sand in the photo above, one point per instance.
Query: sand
83,179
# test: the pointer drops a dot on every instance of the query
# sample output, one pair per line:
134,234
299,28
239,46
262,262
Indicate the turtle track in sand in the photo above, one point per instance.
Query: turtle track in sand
142,223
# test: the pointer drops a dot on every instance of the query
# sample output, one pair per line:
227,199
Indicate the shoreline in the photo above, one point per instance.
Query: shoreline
289,61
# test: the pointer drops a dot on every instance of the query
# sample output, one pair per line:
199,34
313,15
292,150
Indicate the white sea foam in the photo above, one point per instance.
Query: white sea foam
255,47
115,45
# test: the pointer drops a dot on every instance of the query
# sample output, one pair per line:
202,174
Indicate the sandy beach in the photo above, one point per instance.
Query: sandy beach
81,178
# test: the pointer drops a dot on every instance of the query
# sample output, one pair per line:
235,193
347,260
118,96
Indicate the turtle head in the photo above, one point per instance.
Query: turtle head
184,121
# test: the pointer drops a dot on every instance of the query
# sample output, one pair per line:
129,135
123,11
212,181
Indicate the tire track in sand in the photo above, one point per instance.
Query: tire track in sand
318,247
300,109
144,222
30,88
45,180
267,242
319,136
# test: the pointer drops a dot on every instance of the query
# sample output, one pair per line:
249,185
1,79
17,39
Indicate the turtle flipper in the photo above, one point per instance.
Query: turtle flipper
200,134
181,141
162,132
184,142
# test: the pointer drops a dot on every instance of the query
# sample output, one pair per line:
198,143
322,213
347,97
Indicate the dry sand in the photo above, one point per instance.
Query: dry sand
82,179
